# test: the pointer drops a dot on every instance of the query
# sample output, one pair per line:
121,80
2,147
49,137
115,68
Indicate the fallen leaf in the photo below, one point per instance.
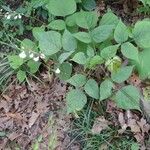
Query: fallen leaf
100,124
33,118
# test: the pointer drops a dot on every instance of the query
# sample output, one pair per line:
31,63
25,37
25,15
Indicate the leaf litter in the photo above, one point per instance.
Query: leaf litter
26,112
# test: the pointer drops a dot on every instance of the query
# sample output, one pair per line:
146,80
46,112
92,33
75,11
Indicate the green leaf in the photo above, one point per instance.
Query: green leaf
128,98
21,75
109,52
61,7
109,19
77,80
96,60
64,56
79,58
89,4
76,100
27,44
121,32
37,32
122,74
102,33
50,42
92,89
106,89
83,37
141,34
69,43
57,25
15,61
130,51
143,65
71,20
90,51
33,66
87,20
65,71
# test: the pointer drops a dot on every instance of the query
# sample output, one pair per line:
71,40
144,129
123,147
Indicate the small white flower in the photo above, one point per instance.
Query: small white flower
36,58
22,55
22,47
42,56
19,16
15,17
57,71
31,55
1,10
8,17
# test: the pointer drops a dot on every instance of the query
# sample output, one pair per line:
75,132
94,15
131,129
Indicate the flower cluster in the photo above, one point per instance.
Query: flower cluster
32,55
13,15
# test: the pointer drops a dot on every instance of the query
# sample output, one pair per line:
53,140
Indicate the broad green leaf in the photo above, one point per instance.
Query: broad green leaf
64,56
143,65
92,89
122,74
65,71
69,43
50,42
79,58
37,32
121,32
76,100
106,89
61,7
15,61
90,51
87,20
57,25
128,97
28,45
109,52
96,60
130,51
77,80
89,4
83,37
109,19
141,34
102,33
71,20
21,75
33,66
38,3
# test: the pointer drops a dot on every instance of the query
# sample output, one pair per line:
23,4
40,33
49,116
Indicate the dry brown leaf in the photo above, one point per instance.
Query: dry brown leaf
6,97
100,124
14,116
33,118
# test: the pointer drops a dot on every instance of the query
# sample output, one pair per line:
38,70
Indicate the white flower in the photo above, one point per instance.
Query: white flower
22,55
57,71
42,56
22,47
8,17
36,58
15,17
31,55
1,10
19,16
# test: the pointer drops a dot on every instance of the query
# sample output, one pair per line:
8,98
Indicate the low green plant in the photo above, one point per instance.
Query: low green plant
88,40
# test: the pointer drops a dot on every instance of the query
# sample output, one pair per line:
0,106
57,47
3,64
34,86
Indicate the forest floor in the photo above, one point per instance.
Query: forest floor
34,115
